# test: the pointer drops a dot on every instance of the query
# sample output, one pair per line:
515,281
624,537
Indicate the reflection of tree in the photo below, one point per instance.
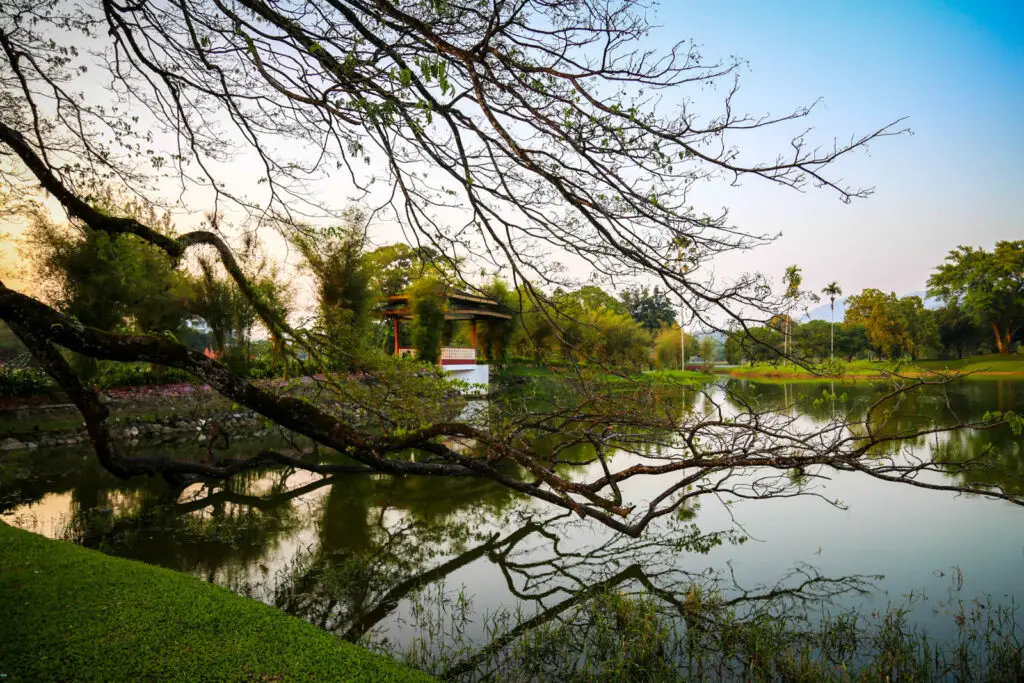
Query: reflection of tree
696,608
27,476
354,590
538,415
991,458
960,401
378,537
205,531
906,434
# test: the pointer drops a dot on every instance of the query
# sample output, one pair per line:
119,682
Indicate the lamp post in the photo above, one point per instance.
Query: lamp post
682,310
682,335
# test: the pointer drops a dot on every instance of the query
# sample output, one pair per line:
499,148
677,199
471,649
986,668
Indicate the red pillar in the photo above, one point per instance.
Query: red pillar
396,336
472,332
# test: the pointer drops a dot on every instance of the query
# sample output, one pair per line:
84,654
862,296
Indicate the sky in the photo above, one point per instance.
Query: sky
955,70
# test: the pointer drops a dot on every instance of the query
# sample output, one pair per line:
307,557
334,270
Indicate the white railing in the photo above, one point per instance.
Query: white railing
458,353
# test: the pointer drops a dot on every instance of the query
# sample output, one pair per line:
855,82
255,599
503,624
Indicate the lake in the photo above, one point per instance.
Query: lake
428,567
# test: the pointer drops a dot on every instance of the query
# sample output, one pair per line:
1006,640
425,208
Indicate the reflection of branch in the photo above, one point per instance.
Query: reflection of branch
813,587
258,502
575,573
632,573
262,503
389,602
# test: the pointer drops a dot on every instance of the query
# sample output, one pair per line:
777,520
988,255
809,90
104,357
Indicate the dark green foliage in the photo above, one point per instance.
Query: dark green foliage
109,281
494,335
989,286
734,354
22,380
581,326
216,300
394,267
587,298
344,287
196,338
427,302
918,337
708,349
920,330
650,310
958,334
84,616
759,344
111,375
616,339
119,282
811,339
852,341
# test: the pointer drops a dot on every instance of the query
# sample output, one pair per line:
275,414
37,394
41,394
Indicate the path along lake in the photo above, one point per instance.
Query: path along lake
427,564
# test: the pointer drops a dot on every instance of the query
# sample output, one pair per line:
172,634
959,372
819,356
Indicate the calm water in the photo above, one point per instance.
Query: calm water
360,556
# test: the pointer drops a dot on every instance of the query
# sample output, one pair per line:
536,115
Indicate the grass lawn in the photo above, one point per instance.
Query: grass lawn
68,613
674,376
992,363
542,372
981,366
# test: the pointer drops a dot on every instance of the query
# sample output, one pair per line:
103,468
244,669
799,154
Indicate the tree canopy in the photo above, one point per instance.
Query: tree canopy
893,324
652,310
987,285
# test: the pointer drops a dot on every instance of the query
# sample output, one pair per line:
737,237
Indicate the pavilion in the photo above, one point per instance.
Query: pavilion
460,361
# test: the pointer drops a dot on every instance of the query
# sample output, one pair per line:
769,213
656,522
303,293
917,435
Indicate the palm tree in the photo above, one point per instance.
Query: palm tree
832,290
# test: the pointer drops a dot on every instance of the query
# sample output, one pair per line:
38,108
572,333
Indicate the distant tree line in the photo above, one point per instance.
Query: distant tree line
982,294
982,312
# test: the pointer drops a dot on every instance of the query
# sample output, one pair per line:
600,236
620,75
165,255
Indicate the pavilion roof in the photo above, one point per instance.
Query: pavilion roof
461,306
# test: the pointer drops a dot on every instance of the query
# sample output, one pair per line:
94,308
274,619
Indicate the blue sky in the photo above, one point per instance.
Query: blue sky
955,69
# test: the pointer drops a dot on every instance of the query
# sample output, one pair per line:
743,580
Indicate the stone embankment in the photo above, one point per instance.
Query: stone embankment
172,428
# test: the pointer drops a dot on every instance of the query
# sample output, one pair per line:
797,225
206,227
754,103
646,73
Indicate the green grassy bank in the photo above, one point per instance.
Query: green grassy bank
530,372
991,366
68,613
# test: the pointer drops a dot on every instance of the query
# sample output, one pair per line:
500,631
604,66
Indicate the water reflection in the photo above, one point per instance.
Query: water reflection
356,554
965,401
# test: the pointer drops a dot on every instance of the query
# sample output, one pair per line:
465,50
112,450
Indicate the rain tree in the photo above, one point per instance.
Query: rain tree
987,285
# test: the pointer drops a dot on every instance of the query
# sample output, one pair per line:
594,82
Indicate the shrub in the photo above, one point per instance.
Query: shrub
17,379
136,374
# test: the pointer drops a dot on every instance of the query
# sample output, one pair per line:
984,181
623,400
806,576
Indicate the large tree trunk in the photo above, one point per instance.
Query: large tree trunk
1002,339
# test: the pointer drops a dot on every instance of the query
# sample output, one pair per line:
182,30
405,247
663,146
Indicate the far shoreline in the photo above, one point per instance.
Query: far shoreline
976,367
